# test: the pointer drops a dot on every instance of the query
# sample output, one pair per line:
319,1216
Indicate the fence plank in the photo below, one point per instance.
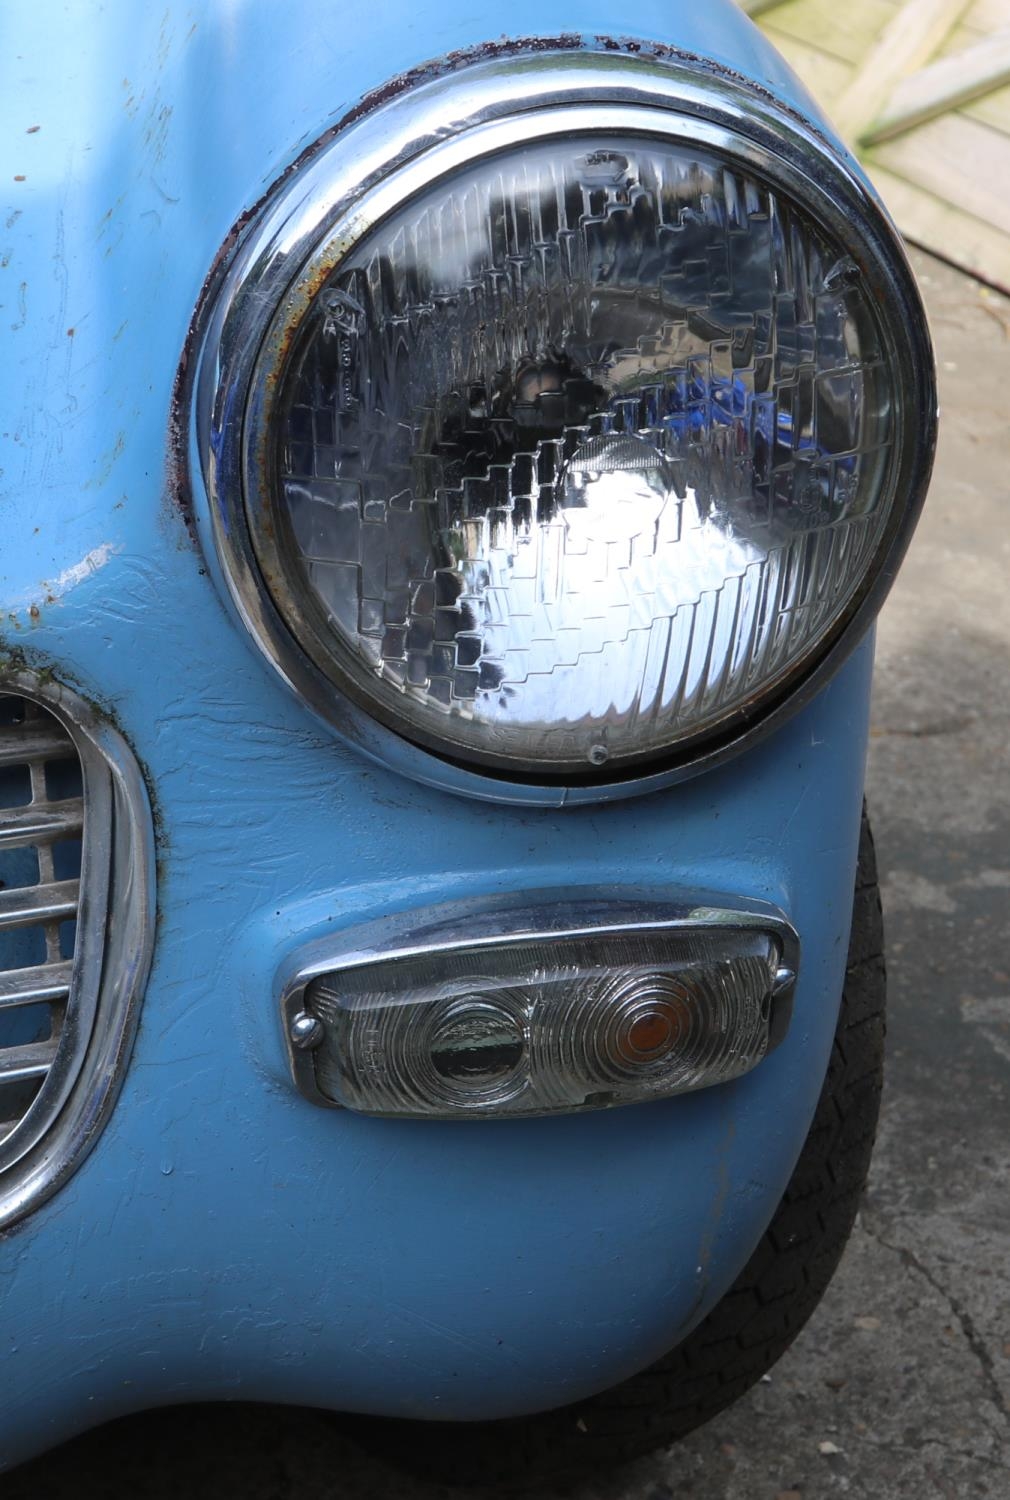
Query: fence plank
842,28
757,7
906,44
943,86
825,76
958,237
957,159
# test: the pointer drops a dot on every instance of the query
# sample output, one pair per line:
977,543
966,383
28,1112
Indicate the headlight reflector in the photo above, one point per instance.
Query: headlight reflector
573,439
580,450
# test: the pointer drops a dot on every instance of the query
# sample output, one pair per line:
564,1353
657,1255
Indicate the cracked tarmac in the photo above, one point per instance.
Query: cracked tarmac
900,1384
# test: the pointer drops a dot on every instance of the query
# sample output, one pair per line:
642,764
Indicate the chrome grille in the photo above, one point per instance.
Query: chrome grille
76,909
41,836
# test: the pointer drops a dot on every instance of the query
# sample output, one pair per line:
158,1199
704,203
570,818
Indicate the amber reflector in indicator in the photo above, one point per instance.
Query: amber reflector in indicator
554,1023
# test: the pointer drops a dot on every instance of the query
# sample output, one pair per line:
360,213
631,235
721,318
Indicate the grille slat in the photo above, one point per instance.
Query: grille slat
29,905
21,826
76,929
42,982
29,1063
41,843
35,739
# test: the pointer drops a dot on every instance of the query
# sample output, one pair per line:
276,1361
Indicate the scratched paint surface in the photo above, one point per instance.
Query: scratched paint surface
224,1237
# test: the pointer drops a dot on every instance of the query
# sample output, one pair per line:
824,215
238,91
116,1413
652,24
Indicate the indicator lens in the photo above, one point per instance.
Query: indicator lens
548,1024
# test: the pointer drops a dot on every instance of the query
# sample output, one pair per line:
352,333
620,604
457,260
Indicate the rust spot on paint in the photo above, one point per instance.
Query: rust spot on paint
20,177
664,53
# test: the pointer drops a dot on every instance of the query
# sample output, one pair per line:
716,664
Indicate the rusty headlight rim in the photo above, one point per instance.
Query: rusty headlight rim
337,195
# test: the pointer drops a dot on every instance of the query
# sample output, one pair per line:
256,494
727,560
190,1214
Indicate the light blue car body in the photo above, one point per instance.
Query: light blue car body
224,1238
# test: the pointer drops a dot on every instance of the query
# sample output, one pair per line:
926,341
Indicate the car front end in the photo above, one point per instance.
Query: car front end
450,482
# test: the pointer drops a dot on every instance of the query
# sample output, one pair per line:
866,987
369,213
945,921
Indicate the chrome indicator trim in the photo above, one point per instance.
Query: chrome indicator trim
484,925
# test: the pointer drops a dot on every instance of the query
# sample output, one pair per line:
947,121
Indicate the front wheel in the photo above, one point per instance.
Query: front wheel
758,1318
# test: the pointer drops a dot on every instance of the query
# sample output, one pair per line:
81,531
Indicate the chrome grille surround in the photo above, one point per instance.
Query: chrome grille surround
76,930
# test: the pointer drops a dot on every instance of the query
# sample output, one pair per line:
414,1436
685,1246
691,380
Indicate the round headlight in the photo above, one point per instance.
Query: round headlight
578,439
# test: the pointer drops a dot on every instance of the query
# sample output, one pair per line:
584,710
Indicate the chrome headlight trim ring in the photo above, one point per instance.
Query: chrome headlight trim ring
400,146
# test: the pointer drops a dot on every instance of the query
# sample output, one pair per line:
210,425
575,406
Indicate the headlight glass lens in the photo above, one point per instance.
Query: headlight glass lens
580,454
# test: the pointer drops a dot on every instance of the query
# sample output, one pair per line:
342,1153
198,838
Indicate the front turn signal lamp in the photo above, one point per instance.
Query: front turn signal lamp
490,1011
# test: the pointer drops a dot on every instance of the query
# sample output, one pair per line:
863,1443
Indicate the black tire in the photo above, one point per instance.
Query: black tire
758,1318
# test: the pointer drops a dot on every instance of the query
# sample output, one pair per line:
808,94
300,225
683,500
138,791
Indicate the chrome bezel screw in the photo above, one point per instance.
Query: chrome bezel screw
305,1031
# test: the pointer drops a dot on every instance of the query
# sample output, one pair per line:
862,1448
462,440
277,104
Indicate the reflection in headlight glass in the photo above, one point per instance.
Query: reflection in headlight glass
581,452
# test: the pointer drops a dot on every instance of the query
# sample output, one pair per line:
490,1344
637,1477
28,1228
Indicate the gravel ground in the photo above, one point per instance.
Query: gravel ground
900,1385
